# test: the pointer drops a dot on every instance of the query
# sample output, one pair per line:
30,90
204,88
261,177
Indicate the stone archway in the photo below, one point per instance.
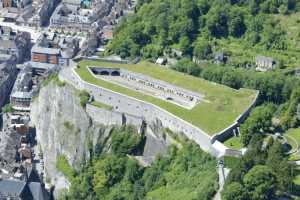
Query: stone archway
104,73
115,73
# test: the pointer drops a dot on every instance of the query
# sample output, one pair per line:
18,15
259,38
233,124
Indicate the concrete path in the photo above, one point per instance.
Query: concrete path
223,173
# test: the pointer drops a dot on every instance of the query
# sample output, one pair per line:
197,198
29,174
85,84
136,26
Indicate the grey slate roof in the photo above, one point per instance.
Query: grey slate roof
36,190
12,187
7,44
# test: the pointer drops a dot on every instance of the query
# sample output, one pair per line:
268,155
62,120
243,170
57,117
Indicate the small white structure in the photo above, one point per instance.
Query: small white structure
264,64
161,61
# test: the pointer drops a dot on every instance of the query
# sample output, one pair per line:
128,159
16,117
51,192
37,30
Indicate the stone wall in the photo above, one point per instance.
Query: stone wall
108,117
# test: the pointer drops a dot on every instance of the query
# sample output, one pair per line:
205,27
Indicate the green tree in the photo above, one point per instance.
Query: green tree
202,49
217,21
237,26
260,183
126,140
234,191
259,121
282,168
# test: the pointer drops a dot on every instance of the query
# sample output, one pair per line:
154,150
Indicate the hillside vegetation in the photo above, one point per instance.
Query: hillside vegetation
187,173
241,29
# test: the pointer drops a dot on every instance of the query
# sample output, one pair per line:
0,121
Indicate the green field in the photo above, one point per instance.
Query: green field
101,105
231,162
295,133
221,107
293,138
234,143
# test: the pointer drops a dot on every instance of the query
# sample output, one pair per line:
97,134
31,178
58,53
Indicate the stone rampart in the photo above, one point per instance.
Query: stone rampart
111,117
131,106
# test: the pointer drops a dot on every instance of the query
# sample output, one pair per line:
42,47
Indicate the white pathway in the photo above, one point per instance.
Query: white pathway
223,173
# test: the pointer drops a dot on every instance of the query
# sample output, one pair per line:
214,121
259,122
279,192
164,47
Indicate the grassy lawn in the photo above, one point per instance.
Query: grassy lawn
234,143
295,134
231,162
221,107
101,105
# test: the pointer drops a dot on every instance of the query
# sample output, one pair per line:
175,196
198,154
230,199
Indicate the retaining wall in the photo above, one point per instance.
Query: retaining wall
109,117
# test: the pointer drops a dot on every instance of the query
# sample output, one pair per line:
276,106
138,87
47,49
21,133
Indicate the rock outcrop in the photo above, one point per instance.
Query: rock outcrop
63,127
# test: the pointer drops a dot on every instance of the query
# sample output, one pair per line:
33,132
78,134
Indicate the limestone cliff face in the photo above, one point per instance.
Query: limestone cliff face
62,127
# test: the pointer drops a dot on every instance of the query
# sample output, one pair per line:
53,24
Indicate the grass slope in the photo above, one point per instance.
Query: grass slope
234,143
223,104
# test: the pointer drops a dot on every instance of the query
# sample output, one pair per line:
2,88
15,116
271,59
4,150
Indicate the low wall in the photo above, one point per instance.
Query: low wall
105,59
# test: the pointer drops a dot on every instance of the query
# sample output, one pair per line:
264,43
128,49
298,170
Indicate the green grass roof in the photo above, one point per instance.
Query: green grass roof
221,107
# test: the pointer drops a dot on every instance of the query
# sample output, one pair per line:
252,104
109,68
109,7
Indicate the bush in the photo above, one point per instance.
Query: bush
63,166
84,98
126,140
7,108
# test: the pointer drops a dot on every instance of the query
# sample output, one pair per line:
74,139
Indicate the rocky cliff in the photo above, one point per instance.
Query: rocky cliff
63,127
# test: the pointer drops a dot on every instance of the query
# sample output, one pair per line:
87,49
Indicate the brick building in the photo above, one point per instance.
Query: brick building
45,55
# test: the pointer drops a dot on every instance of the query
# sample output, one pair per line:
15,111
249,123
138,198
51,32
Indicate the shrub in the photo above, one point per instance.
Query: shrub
84,98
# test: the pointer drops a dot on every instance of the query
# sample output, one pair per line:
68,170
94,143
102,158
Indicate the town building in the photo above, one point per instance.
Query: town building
17,46
28,189
264,64
54,50
21,95
71,18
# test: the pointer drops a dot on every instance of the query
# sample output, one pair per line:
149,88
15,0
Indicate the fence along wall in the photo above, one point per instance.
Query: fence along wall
125,104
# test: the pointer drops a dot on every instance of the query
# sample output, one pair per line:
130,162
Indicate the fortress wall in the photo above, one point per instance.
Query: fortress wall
134,107
103,116
149,112
109,117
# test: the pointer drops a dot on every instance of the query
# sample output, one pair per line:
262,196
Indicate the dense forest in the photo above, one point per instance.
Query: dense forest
264,172
186,172
201,27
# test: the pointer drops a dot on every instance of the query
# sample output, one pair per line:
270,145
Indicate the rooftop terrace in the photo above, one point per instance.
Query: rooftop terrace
219,109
